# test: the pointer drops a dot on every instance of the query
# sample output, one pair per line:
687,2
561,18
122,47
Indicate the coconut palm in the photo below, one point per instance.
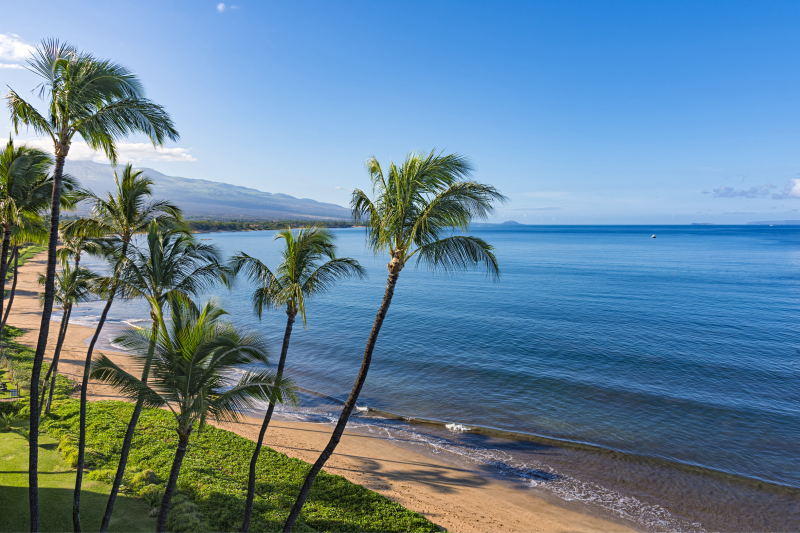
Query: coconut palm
169,262
101,102
298,278
416,211
115,220
73,286
25,191
195,354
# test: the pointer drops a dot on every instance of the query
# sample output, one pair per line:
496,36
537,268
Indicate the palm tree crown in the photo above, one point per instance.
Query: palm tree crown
190,374
95,98
125,211
417,207
300,275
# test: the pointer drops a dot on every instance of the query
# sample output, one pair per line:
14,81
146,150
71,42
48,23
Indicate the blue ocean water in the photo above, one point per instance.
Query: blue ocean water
683,348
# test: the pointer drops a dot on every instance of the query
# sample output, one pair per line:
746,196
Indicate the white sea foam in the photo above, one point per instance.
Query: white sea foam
542,476
457,428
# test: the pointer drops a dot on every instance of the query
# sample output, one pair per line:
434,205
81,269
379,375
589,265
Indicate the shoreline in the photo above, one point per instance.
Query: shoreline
452,497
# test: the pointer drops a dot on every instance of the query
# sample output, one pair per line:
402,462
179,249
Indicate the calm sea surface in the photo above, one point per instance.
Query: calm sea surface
677,359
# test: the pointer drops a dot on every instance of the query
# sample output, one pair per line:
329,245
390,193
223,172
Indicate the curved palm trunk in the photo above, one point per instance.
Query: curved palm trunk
4,264
349,405
183,443
251,483
126,444
76,499
54,364
44,330
13,288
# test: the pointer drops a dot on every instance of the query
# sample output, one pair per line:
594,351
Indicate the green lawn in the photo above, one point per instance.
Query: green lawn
56,482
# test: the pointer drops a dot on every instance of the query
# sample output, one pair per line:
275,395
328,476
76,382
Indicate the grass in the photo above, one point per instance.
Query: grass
213,478
56,483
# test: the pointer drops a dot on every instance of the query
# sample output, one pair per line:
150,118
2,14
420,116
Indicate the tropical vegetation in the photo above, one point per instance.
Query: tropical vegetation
101,102
301,276
417,209
193,364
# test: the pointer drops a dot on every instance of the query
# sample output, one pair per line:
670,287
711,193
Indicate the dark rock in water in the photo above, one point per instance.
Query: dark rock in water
511,223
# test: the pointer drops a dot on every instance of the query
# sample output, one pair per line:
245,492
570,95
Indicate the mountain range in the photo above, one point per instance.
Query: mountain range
210,199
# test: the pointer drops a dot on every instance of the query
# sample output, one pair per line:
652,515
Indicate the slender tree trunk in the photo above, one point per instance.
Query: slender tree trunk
13,288
126,444
54,362
183,443
44,329
394,272
56,358
11,255
76,501
4,265
251,483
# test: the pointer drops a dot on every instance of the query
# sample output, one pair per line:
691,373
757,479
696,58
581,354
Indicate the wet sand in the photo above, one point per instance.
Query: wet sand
454,498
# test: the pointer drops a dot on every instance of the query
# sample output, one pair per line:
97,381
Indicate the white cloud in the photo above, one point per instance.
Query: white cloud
127,152
792,190
220,7
13,51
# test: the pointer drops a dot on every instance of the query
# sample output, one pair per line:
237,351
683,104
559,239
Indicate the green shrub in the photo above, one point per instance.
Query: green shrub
140,480
152,496
185,516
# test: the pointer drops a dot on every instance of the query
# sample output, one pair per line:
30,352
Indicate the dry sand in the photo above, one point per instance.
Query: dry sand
452,497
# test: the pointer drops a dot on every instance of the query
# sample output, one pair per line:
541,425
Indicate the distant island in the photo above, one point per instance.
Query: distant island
512,223
775,223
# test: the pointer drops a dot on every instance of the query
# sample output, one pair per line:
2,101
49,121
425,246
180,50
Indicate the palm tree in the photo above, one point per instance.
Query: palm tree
73,286
170,262
102,102
31,231
195,354
115,220
415,212
299,277
25,191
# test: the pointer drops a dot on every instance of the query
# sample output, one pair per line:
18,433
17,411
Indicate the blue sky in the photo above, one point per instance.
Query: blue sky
581,112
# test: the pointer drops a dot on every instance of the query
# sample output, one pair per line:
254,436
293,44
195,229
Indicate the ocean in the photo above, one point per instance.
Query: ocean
651,381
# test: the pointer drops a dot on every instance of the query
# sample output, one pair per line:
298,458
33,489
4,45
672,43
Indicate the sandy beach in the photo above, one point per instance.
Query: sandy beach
453,498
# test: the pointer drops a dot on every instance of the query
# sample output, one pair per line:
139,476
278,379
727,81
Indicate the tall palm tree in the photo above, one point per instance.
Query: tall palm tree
115,220
298,278
416,211
169,262
101,102
194,356
25,191
73,286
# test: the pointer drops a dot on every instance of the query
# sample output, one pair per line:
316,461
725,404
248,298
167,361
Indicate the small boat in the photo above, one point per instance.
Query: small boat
653,237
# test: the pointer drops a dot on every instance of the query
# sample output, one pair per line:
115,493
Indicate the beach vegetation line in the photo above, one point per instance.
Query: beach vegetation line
214,475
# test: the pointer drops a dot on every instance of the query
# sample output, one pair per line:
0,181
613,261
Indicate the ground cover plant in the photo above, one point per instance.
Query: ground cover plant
214,476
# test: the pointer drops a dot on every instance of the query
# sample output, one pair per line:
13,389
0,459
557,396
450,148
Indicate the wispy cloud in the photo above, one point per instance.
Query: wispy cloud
13,51
220,7
758,191
127,152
